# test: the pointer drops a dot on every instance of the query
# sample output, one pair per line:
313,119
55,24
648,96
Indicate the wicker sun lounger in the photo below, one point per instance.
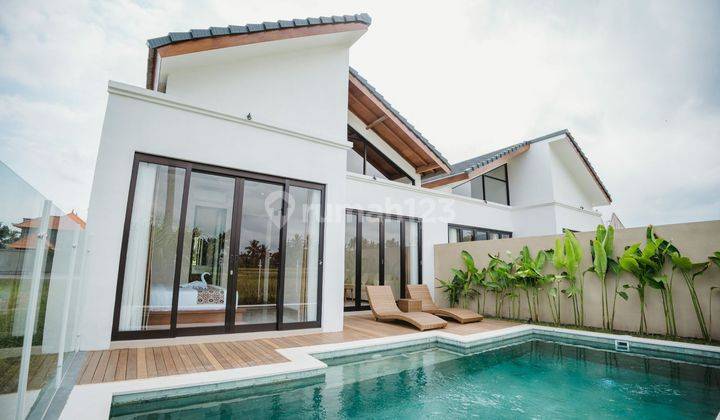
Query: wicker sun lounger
384,308
421,292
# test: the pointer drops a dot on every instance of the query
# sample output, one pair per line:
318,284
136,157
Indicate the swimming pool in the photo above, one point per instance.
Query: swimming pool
536,375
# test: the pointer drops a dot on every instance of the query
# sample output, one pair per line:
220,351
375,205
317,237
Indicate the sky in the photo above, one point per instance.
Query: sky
637,83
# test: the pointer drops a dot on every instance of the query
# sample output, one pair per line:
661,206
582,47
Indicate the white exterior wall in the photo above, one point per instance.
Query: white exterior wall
154,123
435,208
302,90
531,179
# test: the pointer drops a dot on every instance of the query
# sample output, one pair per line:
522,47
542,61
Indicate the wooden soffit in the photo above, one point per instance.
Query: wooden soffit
477,171
235,40
377,117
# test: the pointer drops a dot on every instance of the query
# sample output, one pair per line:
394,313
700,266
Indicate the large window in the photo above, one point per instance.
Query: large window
380,249
364,158
491,186
460,233
213,250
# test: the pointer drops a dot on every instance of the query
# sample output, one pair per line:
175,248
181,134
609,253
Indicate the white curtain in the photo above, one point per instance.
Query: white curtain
313,244
131,311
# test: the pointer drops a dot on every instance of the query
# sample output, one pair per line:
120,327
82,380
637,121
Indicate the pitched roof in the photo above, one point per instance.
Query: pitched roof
214,31
54,223
397,114
477,162
483,160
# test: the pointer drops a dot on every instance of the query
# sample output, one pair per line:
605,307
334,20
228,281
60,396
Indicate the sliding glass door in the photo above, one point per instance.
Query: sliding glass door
380,249
258,255
212,250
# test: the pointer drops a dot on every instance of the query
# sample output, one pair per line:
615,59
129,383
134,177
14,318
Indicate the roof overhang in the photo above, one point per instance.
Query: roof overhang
380,118
204,42
570,153
474,173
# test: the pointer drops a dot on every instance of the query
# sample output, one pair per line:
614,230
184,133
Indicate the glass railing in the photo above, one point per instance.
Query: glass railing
41,254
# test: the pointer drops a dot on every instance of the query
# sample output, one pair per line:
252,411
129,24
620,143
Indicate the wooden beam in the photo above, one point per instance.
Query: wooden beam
447,180
376,122
427,168
477,172
404,146
213,43
417,143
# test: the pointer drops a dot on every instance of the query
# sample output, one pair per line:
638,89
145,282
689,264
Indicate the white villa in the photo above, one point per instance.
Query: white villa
257,183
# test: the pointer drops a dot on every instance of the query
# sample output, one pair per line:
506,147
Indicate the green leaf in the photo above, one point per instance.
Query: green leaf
559,254
681,262
608,243
630,265
623,295
600,261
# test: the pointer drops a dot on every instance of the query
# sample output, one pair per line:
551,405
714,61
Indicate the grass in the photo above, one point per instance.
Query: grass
9,308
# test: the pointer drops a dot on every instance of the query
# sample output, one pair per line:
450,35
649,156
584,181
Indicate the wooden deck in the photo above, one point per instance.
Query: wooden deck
149,362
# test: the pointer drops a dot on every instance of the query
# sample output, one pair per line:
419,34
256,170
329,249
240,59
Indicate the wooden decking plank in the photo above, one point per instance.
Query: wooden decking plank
185,359
121,369
159,362
150,363
170,367
142,371
249,354
235,355
202,357
210,357
45,371
102,365
194,359
90,366
112,366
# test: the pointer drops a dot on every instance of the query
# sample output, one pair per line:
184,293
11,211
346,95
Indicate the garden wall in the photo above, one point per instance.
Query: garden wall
694,240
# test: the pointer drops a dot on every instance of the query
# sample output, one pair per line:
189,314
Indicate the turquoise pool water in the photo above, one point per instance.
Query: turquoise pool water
527,379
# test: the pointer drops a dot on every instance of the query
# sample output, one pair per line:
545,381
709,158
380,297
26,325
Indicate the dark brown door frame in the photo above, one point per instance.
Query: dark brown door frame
229,327
381,266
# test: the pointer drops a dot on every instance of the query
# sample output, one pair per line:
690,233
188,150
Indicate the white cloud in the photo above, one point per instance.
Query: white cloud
635,82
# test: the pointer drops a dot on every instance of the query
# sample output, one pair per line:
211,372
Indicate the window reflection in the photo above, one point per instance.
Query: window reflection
203,288
364,158
258,253
302,256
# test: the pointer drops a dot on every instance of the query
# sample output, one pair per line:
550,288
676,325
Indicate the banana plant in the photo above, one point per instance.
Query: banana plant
601,249
690,271
460,287
531,280
567,257
500,280
646,266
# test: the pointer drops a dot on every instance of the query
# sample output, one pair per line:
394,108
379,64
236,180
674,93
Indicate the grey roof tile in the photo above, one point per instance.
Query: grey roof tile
179,36
482,160
219,31
159,42
397,114
200,33
235,29
286,23
255,27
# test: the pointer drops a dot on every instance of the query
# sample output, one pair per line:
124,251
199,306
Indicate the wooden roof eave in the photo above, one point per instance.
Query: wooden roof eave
478,171
430,159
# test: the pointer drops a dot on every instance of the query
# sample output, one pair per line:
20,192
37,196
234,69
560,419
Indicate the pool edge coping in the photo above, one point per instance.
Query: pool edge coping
95,400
